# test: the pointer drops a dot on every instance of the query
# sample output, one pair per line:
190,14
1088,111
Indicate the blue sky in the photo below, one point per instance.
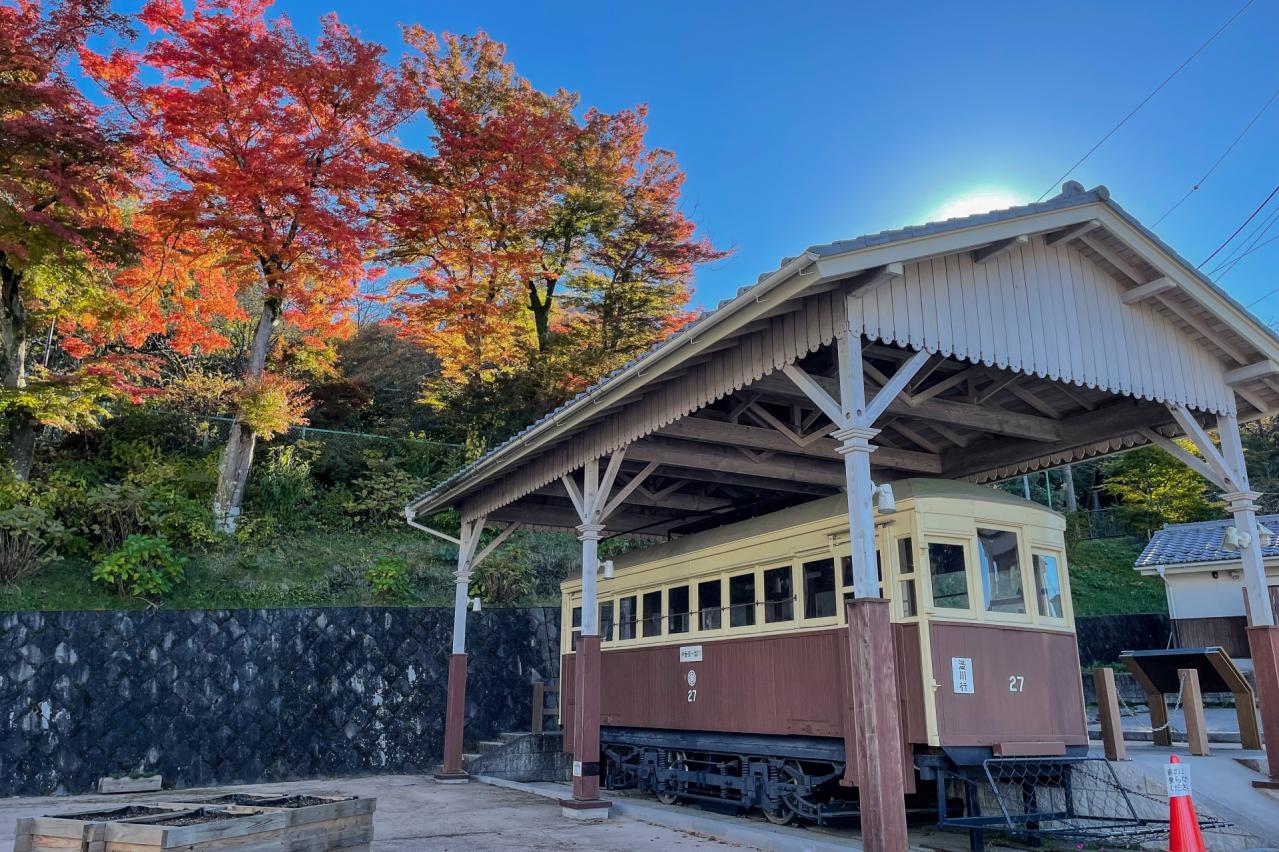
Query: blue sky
804,122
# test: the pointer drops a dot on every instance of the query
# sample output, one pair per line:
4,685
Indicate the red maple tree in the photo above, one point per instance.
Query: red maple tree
267,152
63,173
543,245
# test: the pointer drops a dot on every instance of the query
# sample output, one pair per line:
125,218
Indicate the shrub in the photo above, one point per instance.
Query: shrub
143,566
28,538
502,579
389,577
383,490
282,486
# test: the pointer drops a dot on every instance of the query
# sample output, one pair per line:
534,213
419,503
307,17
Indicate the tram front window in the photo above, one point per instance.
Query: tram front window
949,575
819,588
1048,586
1000,571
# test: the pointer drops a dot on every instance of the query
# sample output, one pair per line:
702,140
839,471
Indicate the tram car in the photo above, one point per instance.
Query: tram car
724,664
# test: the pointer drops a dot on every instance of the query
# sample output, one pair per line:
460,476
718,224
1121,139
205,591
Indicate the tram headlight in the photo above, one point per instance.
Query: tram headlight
884,499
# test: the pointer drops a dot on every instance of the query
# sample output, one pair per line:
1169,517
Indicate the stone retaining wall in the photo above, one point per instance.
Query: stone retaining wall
244,696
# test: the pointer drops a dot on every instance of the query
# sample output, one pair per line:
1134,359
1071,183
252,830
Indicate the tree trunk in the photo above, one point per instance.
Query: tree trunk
1072,503
541,308
13,341
237,455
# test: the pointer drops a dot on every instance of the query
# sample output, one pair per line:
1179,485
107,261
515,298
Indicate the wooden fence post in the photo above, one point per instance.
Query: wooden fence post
539,704
1192,706
1112,732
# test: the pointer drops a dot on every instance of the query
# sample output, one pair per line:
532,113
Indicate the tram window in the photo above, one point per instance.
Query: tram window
709,603
1000,571
910,607
1048,586
905,555
677,609
846,570
819,588
606,621
653,613
577,628
626,618
906,569
741,600
779,594
948,574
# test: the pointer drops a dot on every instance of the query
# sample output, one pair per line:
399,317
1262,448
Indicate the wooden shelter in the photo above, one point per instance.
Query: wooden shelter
977,348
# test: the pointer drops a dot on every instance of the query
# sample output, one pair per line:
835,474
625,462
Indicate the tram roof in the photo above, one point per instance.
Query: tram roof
1060,331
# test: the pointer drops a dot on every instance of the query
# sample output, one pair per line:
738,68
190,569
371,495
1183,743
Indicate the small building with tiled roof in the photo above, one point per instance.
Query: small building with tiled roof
1202,573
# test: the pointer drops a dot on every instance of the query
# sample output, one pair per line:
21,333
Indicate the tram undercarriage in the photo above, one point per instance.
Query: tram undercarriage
787,778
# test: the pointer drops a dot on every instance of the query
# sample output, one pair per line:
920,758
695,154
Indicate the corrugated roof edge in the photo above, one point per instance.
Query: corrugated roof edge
1073,194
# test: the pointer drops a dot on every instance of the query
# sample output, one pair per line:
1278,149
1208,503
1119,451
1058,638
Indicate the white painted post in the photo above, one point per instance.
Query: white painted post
856,448
588,534
459,611
1243,505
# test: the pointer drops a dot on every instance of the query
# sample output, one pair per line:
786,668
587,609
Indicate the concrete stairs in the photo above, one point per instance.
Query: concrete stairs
520,756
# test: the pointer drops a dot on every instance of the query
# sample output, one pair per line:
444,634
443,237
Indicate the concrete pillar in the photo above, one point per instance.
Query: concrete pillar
586,802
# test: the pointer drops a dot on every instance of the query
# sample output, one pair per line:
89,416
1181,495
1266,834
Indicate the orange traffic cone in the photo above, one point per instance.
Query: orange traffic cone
1184,825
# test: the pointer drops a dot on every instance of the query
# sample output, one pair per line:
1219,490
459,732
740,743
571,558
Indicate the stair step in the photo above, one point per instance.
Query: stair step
512,736
467,758
485,746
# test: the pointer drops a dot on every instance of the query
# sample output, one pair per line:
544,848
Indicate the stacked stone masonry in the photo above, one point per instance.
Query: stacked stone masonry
248,696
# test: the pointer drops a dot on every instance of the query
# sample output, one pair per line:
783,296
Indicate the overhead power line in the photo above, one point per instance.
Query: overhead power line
1223,156
1230,238
1145,100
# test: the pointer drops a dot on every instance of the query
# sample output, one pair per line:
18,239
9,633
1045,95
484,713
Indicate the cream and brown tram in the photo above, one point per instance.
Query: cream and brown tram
724,671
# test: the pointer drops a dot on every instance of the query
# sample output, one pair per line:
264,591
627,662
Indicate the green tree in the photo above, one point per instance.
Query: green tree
1156,489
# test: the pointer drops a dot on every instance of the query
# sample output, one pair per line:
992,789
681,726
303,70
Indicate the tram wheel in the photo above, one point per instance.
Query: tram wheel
675,760
784,815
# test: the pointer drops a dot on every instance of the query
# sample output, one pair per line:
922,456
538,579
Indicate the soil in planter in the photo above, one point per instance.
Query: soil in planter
197,818
299,801
129,812
238,799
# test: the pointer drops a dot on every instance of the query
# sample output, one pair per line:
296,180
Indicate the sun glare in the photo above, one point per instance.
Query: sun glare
975,201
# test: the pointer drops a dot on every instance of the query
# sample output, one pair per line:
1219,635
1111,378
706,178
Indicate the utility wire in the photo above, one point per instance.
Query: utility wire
1144,101
1260,245
1223,156
1251,216
1246,244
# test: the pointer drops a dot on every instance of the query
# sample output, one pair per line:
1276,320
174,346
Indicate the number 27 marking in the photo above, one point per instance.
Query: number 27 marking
1016,683
692,696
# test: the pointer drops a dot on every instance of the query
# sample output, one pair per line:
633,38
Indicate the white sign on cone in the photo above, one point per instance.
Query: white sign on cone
1177,775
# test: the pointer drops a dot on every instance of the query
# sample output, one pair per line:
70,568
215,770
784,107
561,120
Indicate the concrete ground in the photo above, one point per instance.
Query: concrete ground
414,813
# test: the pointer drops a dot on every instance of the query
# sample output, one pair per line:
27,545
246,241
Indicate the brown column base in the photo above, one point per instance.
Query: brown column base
881,784
586,811
586,722
1264,644
454,721
447,778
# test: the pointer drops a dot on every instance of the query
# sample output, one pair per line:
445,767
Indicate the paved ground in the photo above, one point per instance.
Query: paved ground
414,814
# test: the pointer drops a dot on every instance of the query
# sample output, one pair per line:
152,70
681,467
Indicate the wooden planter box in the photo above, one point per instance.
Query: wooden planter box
293,823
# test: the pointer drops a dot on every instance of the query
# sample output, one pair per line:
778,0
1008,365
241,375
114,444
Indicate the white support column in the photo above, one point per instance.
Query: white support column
1243,505
468,539
856,448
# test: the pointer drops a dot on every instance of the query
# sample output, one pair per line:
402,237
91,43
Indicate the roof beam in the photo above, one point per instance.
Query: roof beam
1252,372
994,250
1065,235
726,459
756,437
719,477
1124,417
941,410
1150,288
